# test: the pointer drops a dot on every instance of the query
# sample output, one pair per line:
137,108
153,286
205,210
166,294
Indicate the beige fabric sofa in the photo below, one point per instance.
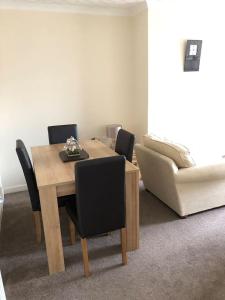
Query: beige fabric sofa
186,190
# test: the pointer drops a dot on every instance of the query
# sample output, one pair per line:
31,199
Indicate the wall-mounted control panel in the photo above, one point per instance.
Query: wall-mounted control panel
192,55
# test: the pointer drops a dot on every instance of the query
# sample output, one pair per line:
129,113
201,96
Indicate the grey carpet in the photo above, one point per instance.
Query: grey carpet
178,258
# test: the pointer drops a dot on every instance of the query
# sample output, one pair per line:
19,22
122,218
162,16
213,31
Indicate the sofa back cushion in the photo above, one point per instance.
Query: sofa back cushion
178,153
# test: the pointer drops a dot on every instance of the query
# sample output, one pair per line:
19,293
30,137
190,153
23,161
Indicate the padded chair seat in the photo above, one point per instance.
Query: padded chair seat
63,200
71,209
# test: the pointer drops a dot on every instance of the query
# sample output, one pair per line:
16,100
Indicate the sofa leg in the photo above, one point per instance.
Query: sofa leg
183,217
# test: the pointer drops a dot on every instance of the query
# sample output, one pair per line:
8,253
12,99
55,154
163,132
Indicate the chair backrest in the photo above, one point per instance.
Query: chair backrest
29,174
100,192
125,144
60,133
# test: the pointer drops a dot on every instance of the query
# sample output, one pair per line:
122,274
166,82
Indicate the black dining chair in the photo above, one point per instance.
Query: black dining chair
58,134
125,144
99,205
33,190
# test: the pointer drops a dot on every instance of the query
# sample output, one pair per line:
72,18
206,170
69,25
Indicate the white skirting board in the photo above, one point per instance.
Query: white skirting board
2,292
15,188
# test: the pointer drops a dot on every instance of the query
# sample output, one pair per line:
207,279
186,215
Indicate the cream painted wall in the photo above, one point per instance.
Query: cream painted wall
187,106
57,68
140,118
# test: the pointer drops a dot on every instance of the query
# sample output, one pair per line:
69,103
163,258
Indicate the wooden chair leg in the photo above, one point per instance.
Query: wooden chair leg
123,238
37,225
72,232
85,257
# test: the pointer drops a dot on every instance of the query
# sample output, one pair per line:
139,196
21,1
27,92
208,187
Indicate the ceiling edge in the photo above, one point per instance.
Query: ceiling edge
79,9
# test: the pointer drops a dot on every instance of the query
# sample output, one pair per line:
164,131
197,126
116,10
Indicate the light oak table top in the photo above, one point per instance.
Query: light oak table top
50,170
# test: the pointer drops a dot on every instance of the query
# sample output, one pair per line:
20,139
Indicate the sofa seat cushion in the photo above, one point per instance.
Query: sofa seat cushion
178,153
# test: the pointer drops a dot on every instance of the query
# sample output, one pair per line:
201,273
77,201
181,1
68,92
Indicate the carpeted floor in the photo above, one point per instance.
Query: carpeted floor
178,258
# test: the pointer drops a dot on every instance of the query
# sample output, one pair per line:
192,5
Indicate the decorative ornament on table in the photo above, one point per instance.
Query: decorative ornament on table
72,147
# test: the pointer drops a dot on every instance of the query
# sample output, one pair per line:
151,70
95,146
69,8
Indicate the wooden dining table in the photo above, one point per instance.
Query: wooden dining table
56,178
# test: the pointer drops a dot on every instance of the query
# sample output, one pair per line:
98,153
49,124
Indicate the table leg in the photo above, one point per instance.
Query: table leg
52,230
132,210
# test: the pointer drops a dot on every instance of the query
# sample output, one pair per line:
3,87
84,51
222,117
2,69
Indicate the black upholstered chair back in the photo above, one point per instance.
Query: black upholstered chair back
100,192
60,133
125,144
29,174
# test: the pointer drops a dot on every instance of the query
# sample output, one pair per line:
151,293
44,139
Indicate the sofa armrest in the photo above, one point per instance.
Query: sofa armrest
201,173
158,172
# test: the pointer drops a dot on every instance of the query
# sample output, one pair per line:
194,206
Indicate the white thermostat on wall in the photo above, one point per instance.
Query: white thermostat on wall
193,50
